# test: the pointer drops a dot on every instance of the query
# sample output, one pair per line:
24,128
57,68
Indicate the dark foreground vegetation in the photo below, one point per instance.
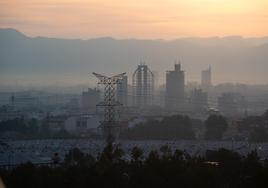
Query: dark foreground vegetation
163,168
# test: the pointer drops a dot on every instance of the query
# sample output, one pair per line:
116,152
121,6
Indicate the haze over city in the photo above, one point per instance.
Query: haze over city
196,32
28,61
128,94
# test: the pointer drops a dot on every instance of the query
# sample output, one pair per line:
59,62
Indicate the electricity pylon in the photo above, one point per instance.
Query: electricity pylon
110,124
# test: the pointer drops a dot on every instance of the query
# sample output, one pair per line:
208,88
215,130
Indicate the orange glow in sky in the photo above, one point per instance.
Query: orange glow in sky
167,19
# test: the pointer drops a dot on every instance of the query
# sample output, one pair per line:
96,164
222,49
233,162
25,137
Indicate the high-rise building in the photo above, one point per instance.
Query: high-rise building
175,84
143,86
122,91
89,100
206,79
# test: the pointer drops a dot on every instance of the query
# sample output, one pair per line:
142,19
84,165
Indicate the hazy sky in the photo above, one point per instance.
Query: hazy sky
151,19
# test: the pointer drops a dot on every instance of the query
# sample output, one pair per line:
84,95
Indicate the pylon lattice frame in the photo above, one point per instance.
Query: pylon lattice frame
109,103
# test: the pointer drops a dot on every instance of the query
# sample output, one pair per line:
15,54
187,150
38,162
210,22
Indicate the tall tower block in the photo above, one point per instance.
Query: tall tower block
143,86
175,84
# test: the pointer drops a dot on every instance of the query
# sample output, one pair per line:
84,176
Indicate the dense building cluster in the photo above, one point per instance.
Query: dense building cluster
144,99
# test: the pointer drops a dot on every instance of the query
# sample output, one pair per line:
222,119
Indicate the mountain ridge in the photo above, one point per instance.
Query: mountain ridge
233,59
232,37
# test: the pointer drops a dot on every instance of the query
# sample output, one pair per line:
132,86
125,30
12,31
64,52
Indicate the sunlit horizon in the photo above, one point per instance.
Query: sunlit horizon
150,19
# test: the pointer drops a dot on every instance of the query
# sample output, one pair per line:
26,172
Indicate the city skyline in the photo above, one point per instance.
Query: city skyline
127,93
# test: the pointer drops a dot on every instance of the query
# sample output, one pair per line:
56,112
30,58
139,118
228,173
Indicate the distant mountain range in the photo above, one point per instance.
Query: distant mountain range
41,59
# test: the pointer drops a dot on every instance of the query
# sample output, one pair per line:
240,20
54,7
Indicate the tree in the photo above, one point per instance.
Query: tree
56,158
166,151
216,125
153,157
136,154
74,156
171,127
259,134
111,153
